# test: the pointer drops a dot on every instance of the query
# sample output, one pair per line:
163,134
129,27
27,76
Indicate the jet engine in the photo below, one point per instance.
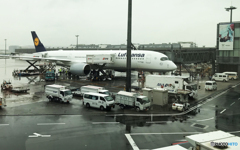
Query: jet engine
80,69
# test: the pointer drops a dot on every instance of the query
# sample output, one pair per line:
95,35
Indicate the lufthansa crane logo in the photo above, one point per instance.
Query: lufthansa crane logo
36,41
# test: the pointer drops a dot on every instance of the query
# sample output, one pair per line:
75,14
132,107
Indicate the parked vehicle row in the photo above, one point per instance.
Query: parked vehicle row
225,76
98,97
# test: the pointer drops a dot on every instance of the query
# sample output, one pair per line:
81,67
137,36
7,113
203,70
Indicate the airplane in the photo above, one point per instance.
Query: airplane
141,60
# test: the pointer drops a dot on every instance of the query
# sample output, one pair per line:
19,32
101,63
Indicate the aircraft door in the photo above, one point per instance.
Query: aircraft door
148,59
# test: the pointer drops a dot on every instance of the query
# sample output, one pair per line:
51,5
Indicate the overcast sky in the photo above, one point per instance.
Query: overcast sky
105,21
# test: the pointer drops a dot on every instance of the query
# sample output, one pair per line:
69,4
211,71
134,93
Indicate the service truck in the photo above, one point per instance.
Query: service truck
176,85
94,89
58,92
132,100
50,75
75,90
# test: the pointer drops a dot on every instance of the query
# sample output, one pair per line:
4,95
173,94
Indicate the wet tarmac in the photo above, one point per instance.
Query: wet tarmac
72,126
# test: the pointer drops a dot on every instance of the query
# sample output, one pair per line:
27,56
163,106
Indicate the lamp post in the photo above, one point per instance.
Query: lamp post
129,41
230,8
5,45
77,42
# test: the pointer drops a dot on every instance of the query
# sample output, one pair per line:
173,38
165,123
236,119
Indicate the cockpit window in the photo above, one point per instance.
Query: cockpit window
164,58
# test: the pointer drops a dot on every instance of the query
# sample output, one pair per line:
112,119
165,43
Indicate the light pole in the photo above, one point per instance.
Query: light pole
129,42
5,45
230,8
77,41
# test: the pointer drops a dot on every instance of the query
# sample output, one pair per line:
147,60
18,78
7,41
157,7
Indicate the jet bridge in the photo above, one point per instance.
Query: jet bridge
100,58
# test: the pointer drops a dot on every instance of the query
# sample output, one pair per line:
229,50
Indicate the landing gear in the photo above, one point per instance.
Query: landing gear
100,75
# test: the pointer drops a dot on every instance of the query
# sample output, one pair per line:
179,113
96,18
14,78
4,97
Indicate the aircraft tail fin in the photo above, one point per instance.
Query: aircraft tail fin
37,43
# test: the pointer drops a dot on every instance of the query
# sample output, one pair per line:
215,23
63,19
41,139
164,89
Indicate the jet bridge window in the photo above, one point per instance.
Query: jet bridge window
164,58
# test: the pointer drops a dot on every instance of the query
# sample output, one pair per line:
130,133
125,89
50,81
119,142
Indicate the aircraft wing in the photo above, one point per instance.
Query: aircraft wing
40,58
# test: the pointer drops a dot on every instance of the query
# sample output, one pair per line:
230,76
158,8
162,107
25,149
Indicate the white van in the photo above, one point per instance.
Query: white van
220,77
231,75
210,85
97,100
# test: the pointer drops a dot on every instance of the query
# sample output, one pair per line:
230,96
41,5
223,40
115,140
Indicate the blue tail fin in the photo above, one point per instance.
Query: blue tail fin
37,43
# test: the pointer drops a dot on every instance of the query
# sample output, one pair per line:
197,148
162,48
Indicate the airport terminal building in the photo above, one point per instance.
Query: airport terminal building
228,47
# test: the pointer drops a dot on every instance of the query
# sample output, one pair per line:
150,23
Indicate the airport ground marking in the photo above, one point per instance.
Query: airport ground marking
44,124
234,132
170,133
159,122
131,141
232,103
205,119
105,122
39,135
222,111
4,124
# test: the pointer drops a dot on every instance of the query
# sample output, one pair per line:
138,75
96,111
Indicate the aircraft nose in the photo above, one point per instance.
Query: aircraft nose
173,66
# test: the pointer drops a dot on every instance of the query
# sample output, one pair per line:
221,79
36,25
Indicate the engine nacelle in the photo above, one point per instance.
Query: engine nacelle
80,69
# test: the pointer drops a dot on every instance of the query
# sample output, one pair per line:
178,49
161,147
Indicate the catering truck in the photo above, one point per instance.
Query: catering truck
58,92
94,89
177,86
132,100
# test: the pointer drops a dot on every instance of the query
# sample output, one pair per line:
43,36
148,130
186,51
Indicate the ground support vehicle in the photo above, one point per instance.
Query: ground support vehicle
97,100
220,77
210,85
180,106
232,75
177,86
97,74
50,75
20,89
94,89
6,85
58,92
132,100
75,91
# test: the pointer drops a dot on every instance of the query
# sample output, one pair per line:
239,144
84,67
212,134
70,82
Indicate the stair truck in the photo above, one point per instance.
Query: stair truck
177,86
132,100
58,92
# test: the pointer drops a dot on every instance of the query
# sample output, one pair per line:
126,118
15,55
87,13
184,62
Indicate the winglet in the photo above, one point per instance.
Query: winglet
37,43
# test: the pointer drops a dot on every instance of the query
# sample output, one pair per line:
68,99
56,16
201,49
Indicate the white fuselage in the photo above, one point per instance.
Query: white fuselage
140,60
